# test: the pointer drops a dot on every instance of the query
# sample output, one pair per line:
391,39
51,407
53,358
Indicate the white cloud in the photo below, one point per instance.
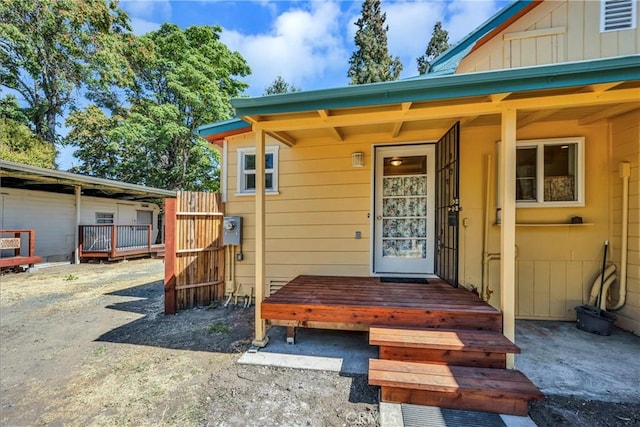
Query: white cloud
148,9
140,26
302,46
465,16
411,24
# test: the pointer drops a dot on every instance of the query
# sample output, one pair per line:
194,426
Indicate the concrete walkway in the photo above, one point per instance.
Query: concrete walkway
559,358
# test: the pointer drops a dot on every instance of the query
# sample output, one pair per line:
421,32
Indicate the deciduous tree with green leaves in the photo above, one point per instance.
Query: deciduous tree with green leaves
17,141
51,48
371,61
184,79
438,43
280,85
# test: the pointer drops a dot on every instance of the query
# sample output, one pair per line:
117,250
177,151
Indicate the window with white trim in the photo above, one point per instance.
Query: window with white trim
104,217
550,172
247,170
617,15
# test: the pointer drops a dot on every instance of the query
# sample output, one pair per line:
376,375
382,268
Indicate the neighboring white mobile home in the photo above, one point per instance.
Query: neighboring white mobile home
54,204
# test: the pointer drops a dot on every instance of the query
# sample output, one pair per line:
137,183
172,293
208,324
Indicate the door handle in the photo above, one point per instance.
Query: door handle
379,218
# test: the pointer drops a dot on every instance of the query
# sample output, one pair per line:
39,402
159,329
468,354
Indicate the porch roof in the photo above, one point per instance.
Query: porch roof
425,106
19,175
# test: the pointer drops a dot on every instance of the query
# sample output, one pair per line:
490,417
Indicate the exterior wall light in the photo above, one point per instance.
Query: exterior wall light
396,162
357,159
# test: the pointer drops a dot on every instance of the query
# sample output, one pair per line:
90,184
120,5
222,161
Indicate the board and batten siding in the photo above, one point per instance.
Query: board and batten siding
625,135
553,32
311,223
555,266
52,216
323,201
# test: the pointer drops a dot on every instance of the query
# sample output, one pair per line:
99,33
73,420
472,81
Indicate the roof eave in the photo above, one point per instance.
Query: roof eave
447,87
76,179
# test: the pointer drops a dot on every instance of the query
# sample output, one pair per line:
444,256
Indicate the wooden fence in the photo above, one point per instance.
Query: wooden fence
194,258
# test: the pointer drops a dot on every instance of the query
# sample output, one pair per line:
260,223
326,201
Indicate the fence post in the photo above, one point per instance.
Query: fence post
170,256
80,247
17,251
149,234
32,242
114,240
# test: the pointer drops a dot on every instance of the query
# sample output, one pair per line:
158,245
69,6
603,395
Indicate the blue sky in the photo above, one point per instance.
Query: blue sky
308,43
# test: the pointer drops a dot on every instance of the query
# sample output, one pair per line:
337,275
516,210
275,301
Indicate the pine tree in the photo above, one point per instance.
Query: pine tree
439,43
371,62
280,85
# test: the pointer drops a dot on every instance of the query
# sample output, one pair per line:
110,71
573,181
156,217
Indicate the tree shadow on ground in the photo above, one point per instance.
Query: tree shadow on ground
213,328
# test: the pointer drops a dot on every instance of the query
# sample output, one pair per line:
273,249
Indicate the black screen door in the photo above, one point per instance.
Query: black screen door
447,205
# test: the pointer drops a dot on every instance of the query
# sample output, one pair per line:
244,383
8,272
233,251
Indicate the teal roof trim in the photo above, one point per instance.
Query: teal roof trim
464,45
447,87
222,127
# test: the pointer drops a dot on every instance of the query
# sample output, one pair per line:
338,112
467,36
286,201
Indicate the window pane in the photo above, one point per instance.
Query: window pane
268,161
560,172
250,182
526,174
249,161
268,179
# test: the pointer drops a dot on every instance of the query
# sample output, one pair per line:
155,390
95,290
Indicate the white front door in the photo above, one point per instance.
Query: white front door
404,210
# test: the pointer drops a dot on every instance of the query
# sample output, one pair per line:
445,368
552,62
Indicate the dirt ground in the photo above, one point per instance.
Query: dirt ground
89,345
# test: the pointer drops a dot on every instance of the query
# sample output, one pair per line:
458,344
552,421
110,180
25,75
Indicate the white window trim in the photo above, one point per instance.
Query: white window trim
579,185
634,13
580,173
105,214
242,151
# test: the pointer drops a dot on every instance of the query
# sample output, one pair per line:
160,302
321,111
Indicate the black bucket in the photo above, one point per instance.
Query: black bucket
589,321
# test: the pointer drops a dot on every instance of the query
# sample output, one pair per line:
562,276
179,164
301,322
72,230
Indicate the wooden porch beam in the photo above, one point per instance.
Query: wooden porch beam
609,112
467,120
499,97
323,113
282,137
534,117
507,192
406,106
602,87
452,111
337,134
261,338
397,127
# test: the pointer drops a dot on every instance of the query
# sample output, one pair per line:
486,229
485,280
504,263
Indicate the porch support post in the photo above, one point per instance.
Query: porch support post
76,233
261,339
507,193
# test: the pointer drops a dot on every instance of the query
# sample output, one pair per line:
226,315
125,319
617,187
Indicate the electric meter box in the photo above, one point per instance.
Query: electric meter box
232,230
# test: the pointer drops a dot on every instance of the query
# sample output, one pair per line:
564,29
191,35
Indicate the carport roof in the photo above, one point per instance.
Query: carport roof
18,175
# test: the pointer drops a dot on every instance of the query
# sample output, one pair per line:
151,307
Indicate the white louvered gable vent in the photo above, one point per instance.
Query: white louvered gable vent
618,15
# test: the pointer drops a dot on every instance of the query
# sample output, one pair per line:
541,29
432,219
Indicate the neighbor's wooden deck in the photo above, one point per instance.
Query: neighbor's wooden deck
355,303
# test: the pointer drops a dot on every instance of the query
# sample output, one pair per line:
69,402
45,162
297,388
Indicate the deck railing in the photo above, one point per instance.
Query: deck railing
113,238
11,248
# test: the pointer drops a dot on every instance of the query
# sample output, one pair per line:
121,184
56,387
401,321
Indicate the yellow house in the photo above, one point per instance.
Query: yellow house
504,169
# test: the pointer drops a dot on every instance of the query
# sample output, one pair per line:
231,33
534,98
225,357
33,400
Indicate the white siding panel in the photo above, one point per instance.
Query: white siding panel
52,216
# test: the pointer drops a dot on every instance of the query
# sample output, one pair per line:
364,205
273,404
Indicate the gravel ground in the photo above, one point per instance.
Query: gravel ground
89,345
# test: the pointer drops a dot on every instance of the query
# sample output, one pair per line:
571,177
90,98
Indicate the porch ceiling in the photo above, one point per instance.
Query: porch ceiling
405,121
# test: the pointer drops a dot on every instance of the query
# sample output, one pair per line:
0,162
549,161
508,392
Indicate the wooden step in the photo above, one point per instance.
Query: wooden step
485,349
459,387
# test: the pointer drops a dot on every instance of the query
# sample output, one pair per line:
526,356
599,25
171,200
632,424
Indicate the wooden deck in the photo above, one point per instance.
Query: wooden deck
113,242
14,244
356,303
